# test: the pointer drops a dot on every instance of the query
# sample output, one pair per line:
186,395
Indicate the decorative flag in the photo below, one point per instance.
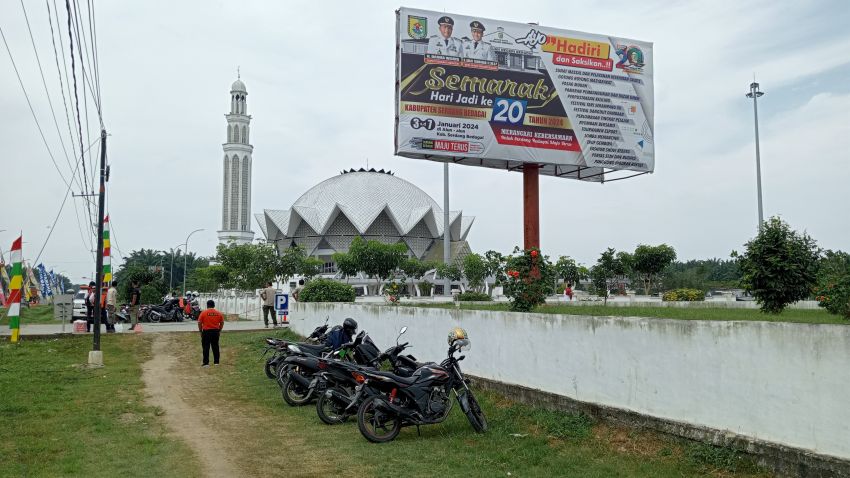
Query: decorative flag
4,280
15,284
107,265
55,285
44,280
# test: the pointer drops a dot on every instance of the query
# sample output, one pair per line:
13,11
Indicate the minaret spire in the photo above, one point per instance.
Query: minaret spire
236,194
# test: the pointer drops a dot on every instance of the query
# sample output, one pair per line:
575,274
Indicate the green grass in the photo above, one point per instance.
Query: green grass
60,418
522,440
805,316
37,314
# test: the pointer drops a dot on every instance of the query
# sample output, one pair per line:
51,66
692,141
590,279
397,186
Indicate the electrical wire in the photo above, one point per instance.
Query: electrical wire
29,103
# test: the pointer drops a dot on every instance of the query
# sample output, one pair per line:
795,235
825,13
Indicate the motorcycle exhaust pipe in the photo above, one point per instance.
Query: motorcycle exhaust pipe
300,379
386,406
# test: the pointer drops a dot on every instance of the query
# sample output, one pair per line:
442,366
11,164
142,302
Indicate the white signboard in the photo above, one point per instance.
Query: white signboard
482,92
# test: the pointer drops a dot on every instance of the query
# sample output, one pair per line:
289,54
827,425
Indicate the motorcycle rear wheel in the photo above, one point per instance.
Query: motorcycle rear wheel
330,409
271,371
153,316
294,394
375,425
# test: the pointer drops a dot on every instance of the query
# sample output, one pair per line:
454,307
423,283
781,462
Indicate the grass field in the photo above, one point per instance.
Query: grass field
817,316
522,440
60,418
38,314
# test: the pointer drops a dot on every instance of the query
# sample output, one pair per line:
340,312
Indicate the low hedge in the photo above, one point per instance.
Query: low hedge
683,295
473,297
326,290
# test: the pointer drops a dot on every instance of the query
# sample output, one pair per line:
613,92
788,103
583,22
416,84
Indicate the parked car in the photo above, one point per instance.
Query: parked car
80,305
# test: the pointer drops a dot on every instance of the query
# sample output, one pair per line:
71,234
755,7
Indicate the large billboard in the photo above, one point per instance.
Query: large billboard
482,92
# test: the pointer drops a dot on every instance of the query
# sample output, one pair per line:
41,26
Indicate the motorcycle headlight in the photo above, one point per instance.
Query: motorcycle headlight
294,349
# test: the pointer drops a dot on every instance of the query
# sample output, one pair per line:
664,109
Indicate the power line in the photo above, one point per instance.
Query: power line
29,103
61,84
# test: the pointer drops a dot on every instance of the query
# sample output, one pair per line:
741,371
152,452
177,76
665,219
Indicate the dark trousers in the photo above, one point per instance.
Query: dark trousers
89,317
267,311
209,338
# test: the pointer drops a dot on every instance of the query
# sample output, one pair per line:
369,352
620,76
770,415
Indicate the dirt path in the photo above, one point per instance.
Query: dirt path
185,416
230,436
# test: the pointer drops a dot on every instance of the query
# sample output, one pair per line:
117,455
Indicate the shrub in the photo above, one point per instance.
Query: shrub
530,278
326,290
684,295
833,289
779,266
473,297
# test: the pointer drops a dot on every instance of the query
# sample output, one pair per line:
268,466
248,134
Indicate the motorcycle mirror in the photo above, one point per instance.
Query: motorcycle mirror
403,330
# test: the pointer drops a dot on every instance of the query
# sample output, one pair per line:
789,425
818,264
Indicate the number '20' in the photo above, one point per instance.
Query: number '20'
507,110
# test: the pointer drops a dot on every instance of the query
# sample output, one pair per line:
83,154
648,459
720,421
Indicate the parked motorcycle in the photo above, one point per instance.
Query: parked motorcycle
168,311
340,394
301,367
425,398
280,348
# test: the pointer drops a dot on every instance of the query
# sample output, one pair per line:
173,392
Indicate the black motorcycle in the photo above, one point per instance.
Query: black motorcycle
168,311
280,349
339,394
302,366
422,399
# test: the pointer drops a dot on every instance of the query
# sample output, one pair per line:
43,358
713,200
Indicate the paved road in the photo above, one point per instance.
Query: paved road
187,326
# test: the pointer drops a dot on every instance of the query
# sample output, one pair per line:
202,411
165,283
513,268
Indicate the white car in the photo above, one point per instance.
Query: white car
79,305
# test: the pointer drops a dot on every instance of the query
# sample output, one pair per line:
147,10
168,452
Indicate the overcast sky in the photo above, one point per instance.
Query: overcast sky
320,79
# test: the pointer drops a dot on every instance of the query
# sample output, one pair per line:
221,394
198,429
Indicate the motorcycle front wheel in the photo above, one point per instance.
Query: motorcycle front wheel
329,408
474,413
376,425
294,394
270,368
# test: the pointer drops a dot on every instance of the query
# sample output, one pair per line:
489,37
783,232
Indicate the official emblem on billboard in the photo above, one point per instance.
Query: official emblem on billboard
630,59
417,27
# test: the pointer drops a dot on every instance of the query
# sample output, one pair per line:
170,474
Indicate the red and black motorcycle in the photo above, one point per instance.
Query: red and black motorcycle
425,398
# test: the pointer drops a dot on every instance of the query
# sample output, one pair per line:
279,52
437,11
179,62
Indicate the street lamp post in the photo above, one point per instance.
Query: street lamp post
186,257
755,94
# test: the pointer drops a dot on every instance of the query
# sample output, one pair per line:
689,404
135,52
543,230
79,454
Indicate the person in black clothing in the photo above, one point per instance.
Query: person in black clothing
339,336
91,296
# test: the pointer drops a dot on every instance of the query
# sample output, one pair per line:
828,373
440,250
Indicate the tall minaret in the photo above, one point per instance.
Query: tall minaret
236,196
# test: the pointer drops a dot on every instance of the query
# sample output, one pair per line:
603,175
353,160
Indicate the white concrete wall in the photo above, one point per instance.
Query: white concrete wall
780,382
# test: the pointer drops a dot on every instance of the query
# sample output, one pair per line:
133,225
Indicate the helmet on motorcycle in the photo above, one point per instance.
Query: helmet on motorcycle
349,325
459,338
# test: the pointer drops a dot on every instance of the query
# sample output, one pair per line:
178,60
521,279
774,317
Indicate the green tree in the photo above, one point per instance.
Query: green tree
249,266
452,271
611,267
208,279
475,271
779,266
345,264
650,261
833,288
569,271
311,267
376,259
413,268
495,266
290,262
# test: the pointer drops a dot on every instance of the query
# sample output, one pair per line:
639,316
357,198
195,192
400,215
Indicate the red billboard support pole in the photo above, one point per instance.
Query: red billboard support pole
531,205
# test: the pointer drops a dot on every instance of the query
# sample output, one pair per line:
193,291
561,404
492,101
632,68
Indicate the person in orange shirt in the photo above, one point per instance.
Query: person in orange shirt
210,323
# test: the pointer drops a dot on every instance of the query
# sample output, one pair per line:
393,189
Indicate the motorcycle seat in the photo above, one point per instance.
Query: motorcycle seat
313,349
398,378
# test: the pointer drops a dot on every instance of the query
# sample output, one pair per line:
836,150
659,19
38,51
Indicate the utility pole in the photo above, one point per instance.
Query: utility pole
755,94
186,257
96,355
447,244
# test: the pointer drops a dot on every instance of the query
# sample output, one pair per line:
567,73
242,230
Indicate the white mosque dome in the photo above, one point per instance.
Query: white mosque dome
372,204
238,86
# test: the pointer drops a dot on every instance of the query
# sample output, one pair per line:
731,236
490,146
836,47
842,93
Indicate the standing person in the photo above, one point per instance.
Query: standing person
568,291
135,300
111,306
210,323
268,304
91,296
297,291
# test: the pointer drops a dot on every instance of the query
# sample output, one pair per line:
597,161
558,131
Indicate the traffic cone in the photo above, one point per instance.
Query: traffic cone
138,328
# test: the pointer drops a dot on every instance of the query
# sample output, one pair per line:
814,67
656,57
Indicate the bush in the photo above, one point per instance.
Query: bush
326,290
684,295
833,289
473,297
150,294
779,266
530,278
